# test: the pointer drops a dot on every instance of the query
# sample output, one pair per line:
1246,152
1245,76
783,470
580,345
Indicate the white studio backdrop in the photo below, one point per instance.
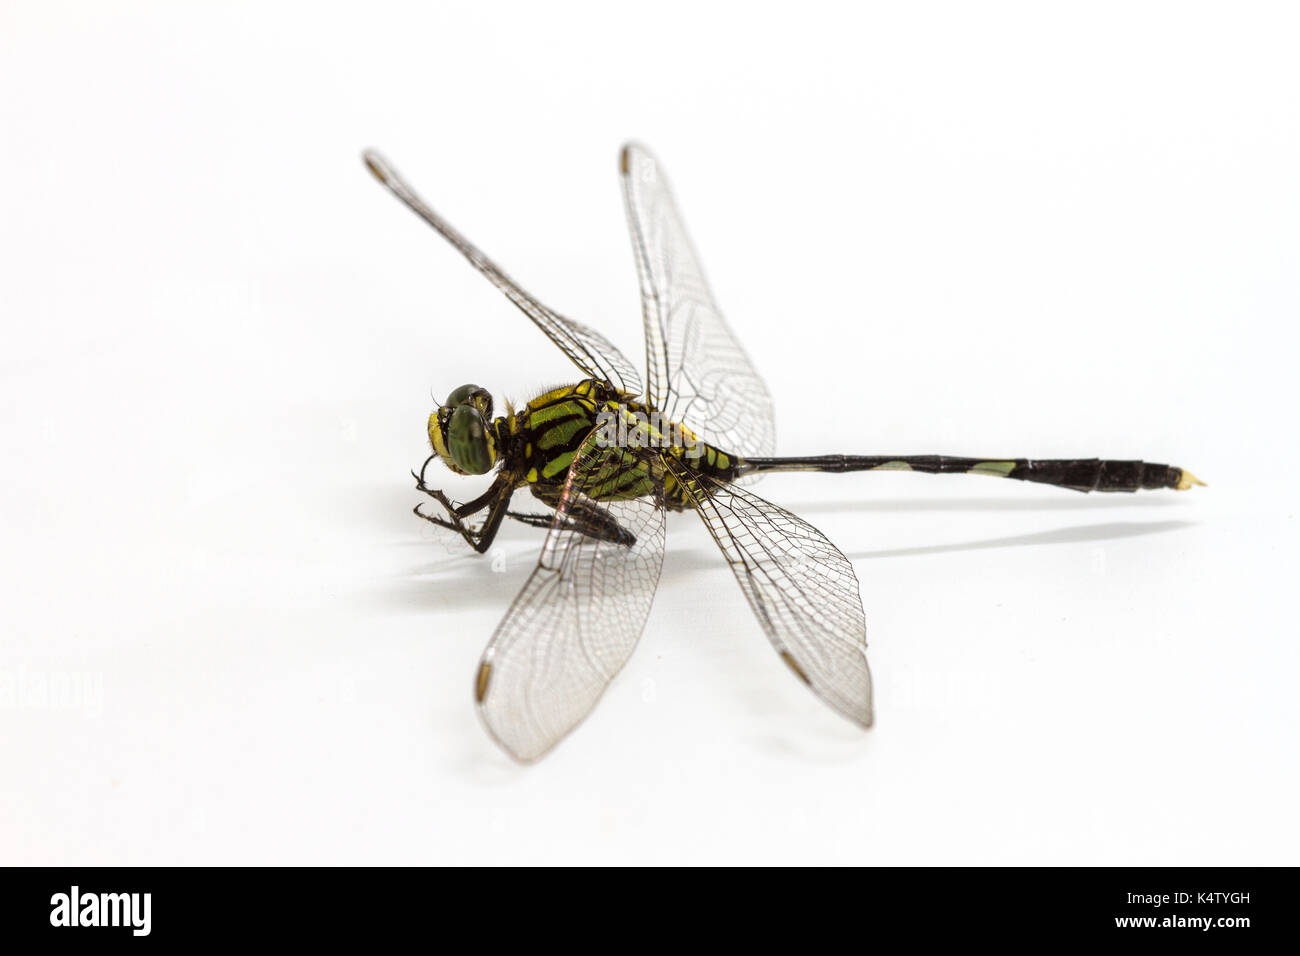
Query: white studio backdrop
1007,230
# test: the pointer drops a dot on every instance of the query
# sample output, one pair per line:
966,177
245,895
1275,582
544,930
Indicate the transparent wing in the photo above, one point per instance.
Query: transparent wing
801,586
588,349
696,371
582,610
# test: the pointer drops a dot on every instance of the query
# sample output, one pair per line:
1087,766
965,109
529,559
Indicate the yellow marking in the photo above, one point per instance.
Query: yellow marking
557,435
558,464
1186,479
435,438
622,161
528,450
998,469
549,413
555,394
531,477
893,466
724,461
481,683
794,666
612,491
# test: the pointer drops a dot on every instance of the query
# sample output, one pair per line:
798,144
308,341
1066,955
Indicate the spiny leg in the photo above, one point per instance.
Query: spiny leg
500,485
481,538
535,520
586,518
495,499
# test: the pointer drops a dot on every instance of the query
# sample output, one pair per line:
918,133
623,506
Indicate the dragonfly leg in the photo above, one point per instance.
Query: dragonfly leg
594,523
536,520
602,530
583,516
495,499
480,538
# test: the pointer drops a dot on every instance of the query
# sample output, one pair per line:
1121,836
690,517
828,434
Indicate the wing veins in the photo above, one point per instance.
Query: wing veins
586,348
796,594
579,615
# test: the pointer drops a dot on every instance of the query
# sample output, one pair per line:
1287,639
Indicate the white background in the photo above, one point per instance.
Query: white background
996,232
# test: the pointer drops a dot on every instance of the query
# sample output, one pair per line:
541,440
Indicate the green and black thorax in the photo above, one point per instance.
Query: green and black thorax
536,445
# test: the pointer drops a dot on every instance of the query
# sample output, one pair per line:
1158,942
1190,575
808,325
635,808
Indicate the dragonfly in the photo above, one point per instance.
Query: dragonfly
610,455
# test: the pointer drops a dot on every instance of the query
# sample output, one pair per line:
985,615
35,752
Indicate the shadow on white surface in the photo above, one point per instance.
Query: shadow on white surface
1071,535
1070,502
457,581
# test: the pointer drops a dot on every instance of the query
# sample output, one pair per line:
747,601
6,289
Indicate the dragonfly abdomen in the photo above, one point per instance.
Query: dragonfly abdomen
1079,474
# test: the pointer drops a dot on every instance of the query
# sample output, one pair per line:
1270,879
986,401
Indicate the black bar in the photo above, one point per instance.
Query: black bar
382,907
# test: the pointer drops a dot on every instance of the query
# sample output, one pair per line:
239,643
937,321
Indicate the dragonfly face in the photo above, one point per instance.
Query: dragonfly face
461,433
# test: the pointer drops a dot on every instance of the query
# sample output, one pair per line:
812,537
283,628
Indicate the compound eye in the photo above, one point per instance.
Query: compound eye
471,395
468,440
461,395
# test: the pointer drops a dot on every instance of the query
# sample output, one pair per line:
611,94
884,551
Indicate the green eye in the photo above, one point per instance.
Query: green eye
468,440
471,395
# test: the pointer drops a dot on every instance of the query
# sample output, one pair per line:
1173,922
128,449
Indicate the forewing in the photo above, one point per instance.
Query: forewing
696,371
802,588
580,613
588,349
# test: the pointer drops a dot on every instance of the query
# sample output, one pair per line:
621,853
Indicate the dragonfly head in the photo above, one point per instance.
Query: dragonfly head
461,432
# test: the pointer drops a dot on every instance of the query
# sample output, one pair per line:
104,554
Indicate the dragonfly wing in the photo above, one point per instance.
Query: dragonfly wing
696,370
587,348
582,610
802,588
